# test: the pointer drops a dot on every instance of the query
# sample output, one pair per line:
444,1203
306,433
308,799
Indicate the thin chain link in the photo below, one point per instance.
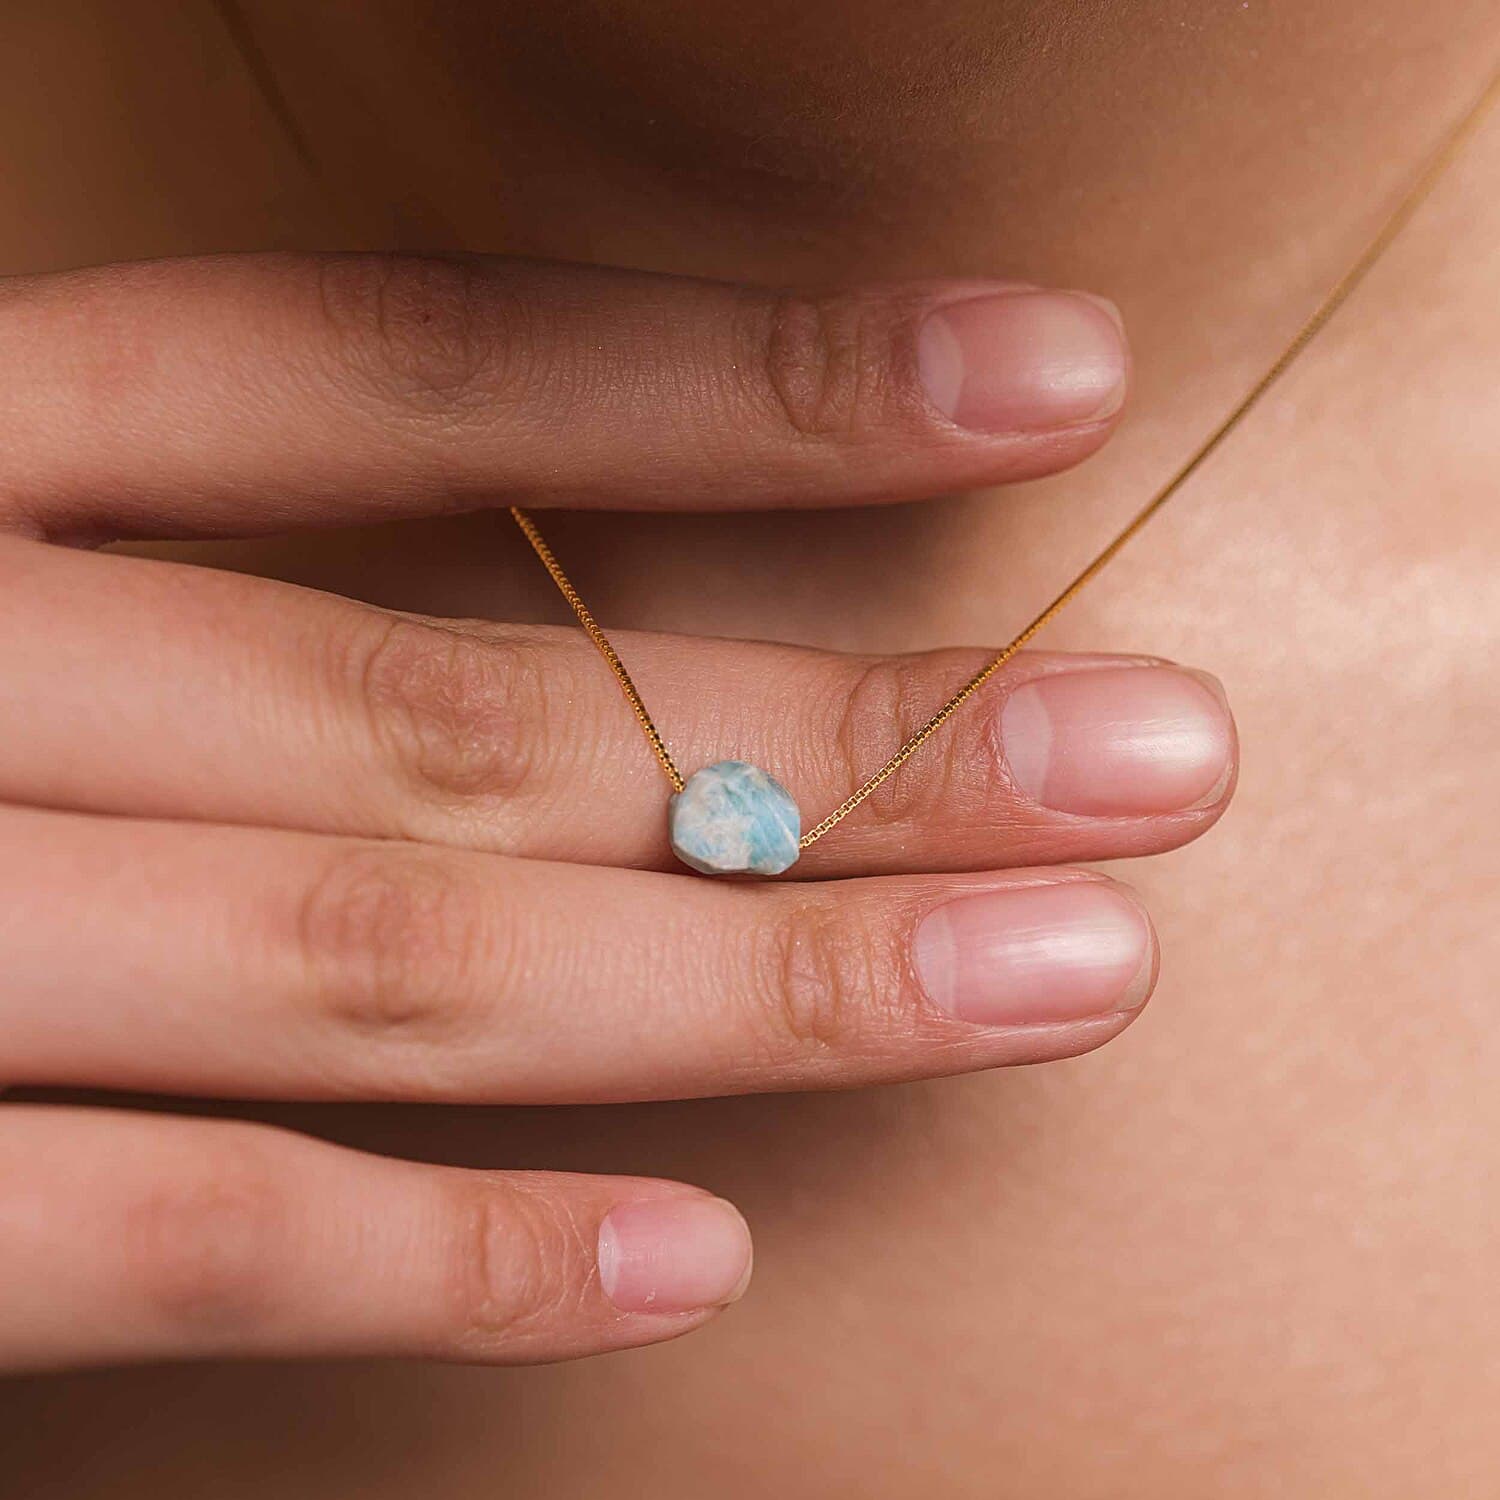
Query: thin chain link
607,651
1331,303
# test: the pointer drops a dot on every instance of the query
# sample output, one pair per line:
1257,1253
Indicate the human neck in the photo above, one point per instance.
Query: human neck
805,147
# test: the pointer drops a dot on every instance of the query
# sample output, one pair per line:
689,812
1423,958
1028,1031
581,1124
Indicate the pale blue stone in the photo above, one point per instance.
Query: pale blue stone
733,819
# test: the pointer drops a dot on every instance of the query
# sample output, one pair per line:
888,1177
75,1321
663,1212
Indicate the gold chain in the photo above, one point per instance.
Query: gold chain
1331,303
606,650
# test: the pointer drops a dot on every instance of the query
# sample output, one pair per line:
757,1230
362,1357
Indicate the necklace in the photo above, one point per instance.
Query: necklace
734,818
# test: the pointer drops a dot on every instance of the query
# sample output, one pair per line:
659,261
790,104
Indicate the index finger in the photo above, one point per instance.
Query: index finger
248,394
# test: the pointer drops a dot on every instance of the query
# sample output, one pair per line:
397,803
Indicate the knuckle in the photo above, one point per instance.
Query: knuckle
829,364
202,1246
445,708
390,940
889,700
427,336
521,1264
825,979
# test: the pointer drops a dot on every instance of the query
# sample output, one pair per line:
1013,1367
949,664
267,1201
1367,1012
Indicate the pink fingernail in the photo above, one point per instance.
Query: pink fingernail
666,1255
1030,955
1022,361
1117,741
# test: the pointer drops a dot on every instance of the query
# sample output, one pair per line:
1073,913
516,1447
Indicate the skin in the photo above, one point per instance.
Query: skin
363,826
1246,1249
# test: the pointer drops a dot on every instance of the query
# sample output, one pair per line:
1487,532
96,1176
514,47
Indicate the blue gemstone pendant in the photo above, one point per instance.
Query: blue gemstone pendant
731,818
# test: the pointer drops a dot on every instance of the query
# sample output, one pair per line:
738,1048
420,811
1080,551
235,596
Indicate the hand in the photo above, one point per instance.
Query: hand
261,841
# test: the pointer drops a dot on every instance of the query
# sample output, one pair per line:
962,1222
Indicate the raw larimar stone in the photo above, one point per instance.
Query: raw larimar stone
733,819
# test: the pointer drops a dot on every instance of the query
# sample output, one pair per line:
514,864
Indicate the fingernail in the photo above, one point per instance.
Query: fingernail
1118,741
666,1255
1029,955
1023,360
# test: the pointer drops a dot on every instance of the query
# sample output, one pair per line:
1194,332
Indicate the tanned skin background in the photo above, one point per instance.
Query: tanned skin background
1247,1250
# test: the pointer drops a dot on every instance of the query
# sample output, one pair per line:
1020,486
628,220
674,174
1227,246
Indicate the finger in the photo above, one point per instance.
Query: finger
166,691
252,394
249,962
129,1237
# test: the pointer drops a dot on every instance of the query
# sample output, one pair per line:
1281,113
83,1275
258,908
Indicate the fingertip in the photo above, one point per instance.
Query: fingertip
1037,954
674,1255
1023,361
1118,740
